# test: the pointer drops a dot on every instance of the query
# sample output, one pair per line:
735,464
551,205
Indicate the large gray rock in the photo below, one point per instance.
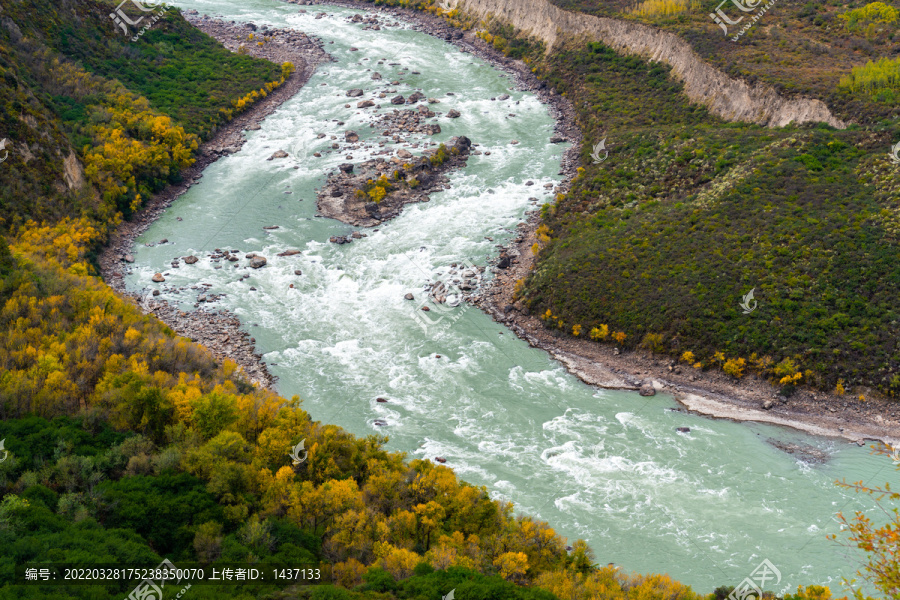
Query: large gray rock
258,261
158,278
278,154
647,389
355,92
189,260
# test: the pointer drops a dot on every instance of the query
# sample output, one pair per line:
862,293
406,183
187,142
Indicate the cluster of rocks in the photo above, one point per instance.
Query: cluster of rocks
404,122
462,280
256,261
235,37
218,331
346,239
338,198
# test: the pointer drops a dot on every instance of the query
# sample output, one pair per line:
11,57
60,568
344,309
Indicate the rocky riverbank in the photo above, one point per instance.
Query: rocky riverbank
347,195
707,392
218,330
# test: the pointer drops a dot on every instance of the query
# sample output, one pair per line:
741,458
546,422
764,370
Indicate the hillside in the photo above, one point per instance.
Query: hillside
696,205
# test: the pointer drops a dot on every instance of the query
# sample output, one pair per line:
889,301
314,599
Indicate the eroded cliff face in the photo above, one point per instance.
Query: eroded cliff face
728,98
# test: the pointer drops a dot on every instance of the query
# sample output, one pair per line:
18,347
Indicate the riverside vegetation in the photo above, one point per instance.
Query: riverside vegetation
128,444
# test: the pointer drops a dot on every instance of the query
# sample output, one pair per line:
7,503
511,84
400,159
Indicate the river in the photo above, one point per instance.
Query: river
607,466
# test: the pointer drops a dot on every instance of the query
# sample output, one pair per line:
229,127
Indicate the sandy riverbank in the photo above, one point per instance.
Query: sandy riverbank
218,330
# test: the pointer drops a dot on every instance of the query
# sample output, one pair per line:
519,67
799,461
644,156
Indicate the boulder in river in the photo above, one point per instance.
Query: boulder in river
258,261
128,258
278,154
189,260
440,459
346,168
365,104
453,113
402,153
355,93
398,100
158,278
647,389
409,297
351,136
683,429
290,252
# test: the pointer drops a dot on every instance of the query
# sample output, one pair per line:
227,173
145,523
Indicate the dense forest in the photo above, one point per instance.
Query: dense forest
128,444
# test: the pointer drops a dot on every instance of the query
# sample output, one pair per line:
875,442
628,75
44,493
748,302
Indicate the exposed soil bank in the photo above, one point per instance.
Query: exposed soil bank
218,330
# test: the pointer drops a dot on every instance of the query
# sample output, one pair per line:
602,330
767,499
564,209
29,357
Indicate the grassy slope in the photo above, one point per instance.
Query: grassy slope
689,213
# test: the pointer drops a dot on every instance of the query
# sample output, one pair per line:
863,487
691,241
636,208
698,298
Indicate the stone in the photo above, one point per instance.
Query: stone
351,136
402,153
365,104
647,390
189,260
380,422
453,113
258,261
278,154
415,97
503,97
346,168
156,292
380,399
270,227
158,278
683,429
290,252
128,258
355,93
298,272
376,76
557,139
426,309
503,263
409,297
768,404
440,459
398,100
